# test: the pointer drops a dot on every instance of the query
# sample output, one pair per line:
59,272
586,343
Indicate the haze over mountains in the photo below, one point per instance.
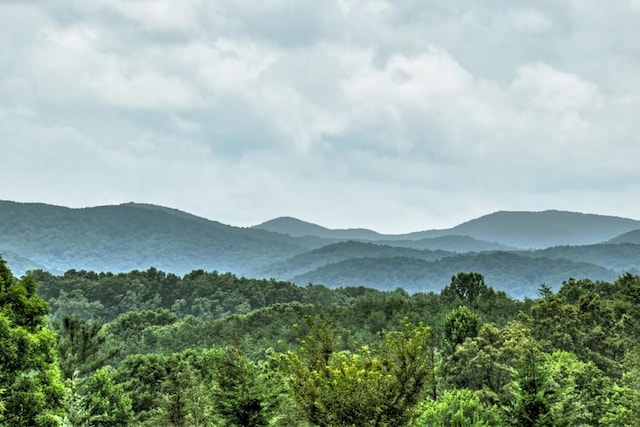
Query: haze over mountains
515,251
523,230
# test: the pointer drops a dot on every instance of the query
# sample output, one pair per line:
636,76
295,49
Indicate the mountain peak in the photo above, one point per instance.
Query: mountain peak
527,229
292,226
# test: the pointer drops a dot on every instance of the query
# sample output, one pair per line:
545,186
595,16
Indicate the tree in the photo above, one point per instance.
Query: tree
532,391
82,345
240,390
377,386
624,402
29,373
459,324
459,408
467,288
485,363
106,402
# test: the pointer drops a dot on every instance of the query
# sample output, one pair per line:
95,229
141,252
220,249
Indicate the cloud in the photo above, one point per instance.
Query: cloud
394,115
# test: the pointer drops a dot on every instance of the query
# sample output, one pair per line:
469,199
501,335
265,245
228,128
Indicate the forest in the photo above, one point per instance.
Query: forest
149,348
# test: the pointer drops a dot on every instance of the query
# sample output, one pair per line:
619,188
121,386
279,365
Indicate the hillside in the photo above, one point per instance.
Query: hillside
504,230
621,257
451,243
545,229
517,275
298,228
138,236
628,237
132,236
311,260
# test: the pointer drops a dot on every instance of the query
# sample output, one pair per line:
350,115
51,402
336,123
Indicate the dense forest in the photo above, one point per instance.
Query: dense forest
149,348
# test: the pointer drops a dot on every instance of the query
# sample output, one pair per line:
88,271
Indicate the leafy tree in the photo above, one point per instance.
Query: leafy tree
459,408
468,288
142,376
459,324
624,402
485,363
580,390
29,374
107,403
375,386
555,323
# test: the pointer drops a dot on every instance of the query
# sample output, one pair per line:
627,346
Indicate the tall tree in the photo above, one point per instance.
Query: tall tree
82,345
467,288
377,386
29,373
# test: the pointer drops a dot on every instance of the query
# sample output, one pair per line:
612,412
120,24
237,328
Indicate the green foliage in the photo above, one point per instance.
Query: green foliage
581,390
371,387
107,404
532,391
28,371
566,359
82,346
240,393
458,408
466,287
484,363
623,407
594,320
459,324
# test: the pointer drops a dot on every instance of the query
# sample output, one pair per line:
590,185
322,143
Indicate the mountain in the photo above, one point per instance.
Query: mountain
298,228
135,236
500,230
620,257
451,243
519,276
540,229
307,261
19,264
628,237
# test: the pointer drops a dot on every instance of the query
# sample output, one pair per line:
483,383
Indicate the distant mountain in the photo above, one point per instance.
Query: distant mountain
307,261
540,229
19,264
135,236
518,275
620,257
504,230
298,228
628,237
451,243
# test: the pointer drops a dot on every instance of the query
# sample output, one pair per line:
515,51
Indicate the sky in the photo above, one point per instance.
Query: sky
398,115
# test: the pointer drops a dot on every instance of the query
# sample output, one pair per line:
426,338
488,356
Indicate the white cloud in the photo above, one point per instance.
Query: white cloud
530,20
153,15
394,115
544,87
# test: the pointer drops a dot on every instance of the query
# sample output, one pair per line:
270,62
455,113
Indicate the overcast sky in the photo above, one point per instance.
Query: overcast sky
397,115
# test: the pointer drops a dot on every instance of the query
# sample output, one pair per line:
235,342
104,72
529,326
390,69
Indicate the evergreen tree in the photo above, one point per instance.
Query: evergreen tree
82,345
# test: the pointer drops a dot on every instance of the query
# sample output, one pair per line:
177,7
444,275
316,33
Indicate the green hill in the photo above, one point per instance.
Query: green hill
342,251
628,237
517,275
132,236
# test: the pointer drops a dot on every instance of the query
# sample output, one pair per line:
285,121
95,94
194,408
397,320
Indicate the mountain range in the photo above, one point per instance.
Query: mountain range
515,251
